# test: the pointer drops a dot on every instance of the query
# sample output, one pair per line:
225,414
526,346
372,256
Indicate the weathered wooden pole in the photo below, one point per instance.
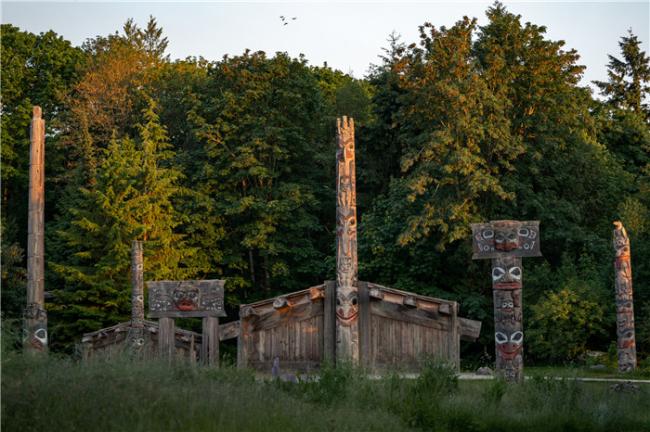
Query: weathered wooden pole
624,302
347,303
137,295
210,341
35,333
505,243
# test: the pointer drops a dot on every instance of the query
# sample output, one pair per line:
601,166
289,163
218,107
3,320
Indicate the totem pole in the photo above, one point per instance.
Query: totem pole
35,331
347,305
136,334
624,305
506,242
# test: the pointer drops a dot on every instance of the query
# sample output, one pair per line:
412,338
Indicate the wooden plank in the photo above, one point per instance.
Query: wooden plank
364,325
229,330
166,338
242,346
454,338
281,317
404,313
210,345
329,322
469,329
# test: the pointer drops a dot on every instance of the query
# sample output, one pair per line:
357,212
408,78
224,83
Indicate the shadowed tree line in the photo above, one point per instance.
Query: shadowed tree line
226,170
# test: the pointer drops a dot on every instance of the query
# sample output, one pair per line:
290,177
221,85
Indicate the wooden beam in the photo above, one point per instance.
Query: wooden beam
364,325
469,329
229,330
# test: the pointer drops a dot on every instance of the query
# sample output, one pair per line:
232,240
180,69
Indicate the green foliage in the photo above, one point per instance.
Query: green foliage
563,322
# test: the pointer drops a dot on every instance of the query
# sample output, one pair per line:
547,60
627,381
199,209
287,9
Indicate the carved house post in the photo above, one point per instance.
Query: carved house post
626,343
505,243
35,333
347,303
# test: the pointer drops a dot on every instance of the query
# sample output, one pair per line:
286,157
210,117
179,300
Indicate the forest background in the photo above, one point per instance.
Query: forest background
226,170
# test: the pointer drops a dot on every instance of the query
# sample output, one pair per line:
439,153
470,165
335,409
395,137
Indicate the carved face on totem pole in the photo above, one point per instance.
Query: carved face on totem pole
507,273
513,238
507,306
347,307
36,337
509,344
186,297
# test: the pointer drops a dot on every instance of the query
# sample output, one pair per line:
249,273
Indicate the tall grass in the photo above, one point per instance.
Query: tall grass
59,394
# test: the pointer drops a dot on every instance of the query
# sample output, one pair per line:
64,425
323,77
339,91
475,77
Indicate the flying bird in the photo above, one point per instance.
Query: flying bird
285,20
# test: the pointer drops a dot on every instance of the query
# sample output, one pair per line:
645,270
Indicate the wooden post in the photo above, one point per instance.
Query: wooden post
329,322
347,302
35,333
167,338
506,242
137,296
624,302
210,344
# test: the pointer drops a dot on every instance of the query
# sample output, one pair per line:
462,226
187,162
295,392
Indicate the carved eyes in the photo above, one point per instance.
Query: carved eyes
500,237
515,273
507,305
488,233
516,338
524,232
497,273
354,301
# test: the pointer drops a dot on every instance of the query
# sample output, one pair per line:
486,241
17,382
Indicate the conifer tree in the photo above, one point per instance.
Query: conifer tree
628,85
132,197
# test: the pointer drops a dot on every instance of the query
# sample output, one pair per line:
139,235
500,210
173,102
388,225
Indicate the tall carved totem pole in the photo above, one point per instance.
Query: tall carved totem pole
35,331
505,243
624,305
136,334
347,305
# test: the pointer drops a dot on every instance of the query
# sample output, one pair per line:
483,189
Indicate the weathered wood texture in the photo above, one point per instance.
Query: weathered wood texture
35,316
229,330
114,342
210,347
293,333
166,339
505,242
405,329
347,303
626,342
137,295
396,329
186,299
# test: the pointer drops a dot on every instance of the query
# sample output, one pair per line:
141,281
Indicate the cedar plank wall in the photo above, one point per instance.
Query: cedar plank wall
394,332
402,335
291,328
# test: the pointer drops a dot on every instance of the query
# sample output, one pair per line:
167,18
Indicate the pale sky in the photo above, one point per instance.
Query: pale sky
348,35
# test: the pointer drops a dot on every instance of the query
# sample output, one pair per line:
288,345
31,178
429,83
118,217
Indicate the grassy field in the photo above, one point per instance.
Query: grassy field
59,394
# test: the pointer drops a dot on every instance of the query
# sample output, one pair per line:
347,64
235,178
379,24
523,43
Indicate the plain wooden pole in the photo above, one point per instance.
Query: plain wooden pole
36,337
210,341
